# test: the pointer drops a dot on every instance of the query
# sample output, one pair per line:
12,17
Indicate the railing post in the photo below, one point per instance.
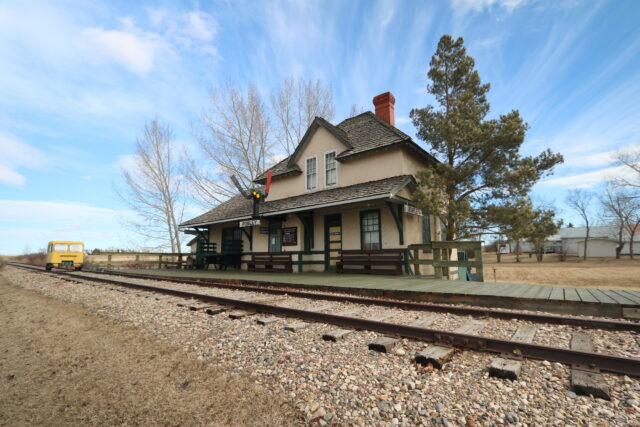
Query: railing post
437,270
108,261
479,270
416,267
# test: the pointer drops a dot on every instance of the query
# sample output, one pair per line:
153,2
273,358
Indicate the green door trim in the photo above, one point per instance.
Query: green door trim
330,220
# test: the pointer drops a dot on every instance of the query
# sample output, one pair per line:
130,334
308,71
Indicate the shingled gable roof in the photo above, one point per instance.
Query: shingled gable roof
360,134
238,208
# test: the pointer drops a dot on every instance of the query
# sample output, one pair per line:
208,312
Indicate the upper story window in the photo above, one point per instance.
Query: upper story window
331,169
312,174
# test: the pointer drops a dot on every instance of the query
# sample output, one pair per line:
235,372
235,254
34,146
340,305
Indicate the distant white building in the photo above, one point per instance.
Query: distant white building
603,240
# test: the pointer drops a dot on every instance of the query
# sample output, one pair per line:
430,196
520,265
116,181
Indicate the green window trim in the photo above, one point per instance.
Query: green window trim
363,218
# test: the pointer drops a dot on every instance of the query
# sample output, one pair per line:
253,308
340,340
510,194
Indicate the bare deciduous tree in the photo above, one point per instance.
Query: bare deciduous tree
354,111
153,189
295,104
235,140
631,159
580,201
616,210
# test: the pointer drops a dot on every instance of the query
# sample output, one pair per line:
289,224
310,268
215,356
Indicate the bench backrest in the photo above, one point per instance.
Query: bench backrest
372,256
271,256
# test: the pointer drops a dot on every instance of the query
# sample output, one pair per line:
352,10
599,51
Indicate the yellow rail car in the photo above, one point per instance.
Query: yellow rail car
68,255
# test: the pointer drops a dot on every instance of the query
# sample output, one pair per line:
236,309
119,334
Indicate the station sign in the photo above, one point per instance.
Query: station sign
412,210
249,223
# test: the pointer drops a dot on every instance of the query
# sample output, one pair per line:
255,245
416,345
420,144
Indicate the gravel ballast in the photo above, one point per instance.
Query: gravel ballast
345,383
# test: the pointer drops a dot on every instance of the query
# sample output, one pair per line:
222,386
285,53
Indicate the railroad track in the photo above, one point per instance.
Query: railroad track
586,364
583,322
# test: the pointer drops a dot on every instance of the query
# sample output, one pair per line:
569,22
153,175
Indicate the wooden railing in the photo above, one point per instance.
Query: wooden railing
142,259
441,261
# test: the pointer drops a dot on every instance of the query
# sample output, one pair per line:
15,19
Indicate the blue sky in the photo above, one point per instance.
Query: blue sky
78,80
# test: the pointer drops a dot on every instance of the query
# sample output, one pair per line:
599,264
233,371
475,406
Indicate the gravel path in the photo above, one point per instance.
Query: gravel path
344,383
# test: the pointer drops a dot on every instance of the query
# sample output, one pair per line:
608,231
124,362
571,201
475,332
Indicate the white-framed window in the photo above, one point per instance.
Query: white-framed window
311,173
330,169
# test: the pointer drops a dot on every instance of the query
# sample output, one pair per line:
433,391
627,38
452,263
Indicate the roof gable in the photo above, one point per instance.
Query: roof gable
318,122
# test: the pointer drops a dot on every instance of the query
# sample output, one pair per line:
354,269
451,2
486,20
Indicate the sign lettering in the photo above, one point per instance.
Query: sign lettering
249,223
412,210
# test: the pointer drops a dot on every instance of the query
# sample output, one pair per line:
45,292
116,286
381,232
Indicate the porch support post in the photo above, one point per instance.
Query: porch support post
249,235
396,212
202,234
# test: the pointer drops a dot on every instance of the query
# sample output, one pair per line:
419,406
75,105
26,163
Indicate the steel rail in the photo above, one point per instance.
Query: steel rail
593,360
616,325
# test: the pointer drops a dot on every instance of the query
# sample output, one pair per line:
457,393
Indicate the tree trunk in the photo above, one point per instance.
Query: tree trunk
631,245
586,239
518,251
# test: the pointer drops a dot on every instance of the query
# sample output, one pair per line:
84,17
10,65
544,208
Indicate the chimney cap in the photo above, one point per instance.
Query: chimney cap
386,97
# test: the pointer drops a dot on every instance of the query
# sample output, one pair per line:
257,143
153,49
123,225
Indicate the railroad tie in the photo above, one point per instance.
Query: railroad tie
239,314
200,306
383,344
585,380
215,309
186,303
267,320
294,327
509,367
386,344
437,355
425,321
336,334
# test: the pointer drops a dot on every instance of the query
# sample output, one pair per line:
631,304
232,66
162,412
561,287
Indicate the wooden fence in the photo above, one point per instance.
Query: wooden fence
441,261
138,259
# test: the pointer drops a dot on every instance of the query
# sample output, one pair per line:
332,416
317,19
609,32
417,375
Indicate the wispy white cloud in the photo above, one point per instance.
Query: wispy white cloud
15,155
588,179
465,6
57,213
129,47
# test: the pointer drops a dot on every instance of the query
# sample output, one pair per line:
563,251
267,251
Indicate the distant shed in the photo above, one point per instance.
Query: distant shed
598,248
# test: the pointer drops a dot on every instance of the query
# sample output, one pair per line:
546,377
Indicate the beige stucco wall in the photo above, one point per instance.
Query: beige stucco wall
367,167
321,142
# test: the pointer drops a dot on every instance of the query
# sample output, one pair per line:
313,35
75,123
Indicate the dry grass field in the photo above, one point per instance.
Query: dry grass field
606,273
62,365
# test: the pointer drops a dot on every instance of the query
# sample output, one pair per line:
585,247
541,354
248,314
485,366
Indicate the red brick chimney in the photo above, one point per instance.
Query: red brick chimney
384,107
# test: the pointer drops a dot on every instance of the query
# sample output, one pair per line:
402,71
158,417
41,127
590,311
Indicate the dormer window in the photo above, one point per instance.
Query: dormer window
312,174
331,169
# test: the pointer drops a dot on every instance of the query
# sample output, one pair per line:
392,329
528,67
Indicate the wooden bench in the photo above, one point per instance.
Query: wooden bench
384,261
271,262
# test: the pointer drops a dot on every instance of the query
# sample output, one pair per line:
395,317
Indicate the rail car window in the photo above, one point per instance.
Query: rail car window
60,247
75,248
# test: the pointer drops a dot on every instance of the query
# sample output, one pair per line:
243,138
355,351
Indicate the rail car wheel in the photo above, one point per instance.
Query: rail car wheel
48,267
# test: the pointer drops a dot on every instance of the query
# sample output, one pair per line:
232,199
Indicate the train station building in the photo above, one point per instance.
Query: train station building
346,186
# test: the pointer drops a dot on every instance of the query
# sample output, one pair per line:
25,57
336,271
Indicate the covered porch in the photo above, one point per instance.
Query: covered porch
315,229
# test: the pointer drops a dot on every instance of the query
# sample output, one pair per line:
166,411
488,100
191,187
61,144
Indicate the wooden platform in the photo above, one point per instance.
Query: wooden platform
585,301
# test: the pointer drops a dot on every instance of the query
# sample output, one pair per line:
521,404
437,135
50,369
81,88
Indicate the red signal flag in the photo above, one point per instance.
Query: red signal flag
268,186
